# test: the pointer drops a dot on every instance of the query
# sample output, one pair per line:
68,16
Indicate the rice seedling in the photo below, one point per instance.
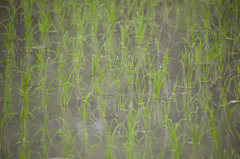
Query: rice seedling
78,60
140,28
198,62
206,19
131,133
83,109
110,147
116,73
197,132
45,103
59,7
44,24
111,15
95,63
224,103
124,43
172,129
7,88
158,76
65,92
27,19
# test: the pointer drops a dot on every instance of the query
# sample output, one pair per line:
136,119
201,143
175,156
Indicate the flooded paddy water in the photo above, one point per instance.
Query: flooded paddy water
119,79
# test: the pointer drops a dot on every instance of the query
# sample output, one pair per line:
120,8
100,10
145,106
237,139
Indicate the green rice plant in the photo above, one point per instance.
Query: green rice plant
61,58
238,133
110,140
235,11
188,105
86,141
99,80
146,116
158,76
218,142
4,143
171,130
210,59
124,43
44,23
140,28
165,14
111,15
102,104
205,99
198,61
130,70
167,109
24,149
197,131
188,69
227,112
24,91
10,28
8,86
95,18
174,94
151,12
218,10
177,15
206,19
116,73
190,12
229,154
130,8
157,82
65,94
83,109
108,43
150,70
24,114
67,139
95,63
42,66
236,91
27,12
140,85
79,19
10,31
59,8
157,38
77,60
131,133
214,130
146,145
45,102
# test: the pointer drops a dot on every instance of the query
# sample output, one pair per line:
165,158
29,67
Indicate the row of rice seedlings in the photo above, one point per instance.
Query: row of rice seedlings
45,102
24,89
9,60
27,7
211,57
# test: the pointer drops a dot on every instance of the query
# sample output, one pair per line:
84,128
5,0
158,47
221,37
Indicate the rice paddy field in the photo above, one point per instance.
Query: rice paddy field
120,79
